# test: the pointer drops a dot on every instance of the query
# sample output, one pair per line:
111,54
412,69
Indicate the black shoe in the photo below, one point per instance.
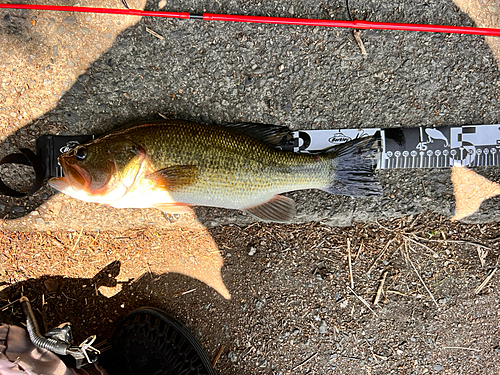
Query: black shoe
150,342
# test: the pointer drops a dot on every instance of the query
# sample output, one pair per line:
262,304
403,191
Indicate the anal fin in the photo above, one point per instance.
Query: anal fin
279,209
173,208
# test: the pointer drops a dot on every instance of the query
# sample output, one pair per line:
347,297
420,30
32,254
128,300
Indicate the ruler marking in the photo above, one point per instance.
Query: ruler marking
425,147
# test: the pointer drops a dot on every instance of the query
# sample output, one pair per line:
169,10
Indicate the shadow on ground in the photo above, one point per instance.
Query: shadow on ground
303,77
90,306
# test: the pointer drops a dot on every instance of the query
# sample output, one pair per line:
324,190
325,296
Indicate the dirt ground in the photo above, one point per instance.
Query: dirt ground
359,286
298,305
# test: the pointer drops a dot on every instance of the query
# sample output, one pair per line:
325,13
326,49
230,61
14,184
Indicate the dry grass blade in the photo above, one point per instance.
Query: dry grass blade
77,240
420,278
461,347
363,301
455,241
380,288
482,254
485,282
154,33
359,251
9,304
350,263
419,243
379,255
305,361
188,291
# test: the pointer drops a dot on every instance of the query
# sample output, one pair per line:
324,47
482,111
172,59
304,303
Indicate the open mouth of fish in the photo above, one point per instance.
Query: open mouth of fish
75,177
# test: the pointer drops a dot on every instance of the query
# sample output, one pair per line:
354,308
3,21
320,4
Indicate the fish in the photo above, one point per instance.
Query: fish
174,164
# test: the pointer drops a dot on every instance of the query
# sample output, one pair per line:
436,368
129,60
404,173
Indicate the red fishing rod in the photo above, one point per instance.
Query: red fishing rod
270,20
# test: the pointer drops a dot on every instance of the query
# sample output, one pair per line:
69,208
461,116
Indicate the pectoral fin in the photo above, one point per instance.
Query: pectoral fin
175,177
279,209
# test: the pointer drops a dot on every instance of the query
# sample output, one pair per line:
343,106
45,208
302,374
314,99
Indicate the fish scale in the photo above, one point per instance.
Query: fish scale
235,170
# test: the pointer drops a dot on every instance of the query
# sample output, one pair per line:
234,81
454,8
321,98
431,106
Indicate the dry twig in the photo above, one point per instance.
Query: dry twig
217,356
485,282
357,36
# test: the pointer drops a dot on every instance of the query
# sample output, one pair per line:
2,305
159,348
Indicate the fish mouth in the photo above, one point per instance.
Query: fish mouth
75,176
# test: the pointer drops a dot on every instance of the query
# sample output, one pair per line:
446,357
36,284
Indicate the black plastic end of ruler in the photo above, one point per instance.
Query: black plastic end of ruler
196,16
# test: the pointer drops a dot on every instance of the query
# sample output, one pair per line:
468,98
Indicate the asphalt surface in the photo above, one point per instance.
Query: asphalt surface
215,72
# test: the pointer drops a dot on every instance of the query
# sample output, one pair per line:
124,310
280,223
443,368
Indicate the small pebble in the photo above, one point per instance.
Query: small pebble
261,362
71,20
18,209
232,357
249,81
52,285
71,117
437,367
252,251
322,327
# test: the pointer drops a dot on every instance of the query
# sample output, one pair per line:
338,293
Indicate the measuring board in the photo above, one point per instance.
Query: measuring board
442,147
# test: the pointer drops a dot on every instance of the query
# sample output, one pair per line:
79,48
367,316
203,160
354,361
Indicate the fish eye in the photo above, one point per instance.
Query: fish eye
81,153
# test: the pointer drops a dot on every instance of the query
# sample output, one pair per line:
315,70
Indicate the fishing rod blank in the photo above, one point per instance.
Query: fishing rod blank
355,24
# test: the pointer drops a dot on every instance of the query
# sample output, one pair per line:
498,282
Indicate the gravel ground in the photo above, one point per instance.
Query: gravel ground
291,310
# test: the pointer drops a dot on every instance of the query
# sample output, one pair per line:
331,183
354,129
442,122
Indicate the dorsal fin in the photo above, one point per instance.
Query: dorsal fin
275,136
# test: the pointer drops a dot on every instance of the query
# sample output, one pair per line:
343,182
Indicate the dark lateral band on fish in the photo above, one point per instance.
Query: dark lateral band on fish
174,164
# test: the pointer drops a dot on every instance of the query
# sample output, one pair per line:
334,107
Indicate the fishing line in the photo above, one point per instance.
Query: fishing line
353,24
348,10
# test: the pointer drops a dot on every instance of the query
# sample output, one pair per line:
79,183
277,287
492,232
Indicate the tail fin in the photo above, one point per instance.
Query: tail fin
354,168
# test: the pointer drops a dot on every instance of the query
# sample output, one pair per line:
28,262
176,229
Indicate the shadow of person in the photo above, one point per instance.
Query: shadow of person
221,72
96,305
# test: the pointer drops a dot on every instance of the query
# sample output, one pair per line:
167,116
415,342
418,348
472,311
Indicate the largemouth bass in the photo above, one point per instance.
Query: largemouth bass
174,164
